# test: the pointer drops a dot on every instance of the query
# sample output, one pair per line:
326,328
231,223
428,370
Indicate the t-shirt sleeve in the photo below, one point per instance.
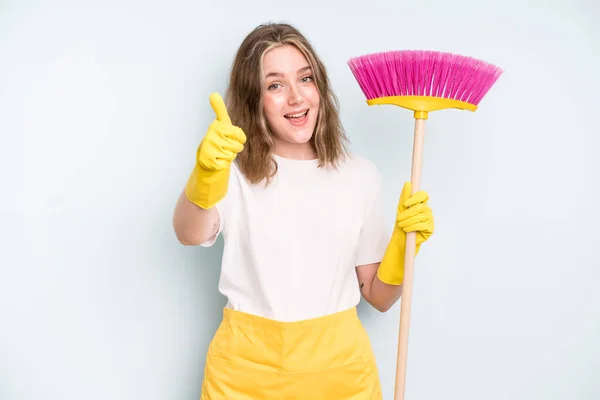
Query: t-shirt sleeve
225,207
375,234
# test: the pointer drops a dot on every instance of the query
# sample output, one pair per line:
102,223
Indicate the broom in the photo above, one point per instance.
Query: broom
420,81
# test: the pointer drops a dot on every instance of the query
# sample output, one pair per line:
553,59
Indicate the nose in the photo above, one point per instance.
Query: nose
294,95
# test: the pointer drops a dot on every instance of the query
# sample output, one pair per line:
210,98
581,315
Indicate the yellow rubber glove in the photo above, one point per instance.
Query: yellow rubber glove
209,181
413,215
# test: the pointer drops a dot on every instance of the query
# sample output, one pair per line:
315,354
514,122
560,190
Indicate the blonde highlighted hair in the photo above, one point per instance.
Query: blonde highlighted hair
245,103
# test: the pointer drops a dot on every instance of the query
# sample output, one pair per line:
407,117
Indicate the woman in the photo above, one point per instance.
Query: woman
303,228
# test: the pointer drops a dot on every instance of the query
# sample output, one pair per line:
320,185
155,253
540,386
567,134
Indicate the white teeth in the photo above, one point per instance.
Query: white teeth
296,115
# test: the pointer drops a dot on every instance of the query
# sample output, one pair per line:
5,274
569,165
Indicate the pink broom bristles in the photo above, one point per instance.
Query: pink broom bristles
424,73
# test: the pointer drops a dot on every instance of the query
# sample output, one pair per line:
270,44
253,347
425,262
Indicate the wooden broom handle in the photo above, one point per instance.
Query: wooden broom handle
409,262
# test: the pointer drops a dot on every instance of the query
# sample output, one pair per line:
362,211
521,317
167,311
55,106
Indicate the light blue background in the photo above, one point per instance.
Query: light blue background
102,106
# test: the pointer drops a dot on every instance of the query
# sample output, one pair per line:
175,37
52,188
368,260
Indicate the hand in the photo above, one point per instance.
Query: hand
414,214
209,182
222,142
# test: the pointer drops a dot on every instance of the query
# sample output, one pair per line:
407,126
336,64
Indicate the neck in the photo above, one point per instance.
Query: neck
295,151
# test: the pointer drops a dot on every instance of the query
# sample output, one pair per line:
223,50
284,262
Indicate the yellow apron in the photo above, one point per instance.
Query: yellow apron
326,358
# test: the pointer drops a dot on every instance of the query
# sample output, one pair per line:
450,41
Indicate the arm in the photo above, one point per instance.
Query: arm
194,225
195,218
378,294
381,283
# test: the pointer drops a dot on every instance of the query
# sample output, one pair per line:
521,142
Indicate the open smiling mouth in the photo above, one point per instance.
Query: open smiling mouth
296,116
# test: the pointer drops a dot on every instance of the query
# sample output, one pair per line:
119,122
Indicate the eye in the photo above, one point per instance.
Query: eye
274,86
306,79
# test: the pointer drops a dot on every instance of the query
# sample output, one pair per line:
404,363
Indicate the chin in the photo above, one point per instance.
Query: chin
294,138
297,131
300,138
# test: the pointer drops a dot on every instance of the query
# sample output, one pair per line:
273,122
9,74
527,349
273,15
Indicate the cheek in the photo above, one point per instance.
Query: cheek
271,109
312,93
273,104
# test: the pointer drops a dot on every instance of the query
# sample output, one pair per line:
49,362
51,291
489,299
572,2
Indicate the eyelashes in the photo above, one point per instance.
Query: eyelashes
277,85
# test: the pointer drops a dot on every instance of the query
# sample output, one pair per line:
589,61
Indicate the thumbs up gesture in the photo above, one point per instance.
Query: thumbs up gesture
223,141
209,181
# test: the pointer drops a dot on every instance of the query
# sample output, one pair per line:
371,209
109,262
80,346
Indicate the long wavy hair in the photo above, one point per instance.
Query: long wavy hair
245,103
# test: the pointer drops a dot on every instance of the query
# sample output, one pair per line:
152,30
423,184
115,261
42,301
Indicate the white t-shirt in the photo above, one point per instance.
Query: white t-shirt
291,248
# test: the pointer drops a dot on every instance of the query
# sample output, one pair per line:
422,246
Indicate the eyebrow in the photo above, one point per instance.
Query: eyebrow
279,74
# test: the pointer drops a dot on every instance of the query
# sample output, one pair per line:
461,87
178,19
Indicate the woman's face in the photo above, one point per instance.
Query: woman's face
291,98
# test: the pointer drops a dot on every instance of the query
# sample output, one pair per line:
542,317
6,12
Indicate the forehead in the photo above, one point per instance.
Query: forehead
287,60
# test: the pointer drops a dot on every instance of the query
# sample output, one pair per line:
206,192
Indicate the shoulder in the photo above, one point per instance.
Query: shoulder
365,181
236,174
361,168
